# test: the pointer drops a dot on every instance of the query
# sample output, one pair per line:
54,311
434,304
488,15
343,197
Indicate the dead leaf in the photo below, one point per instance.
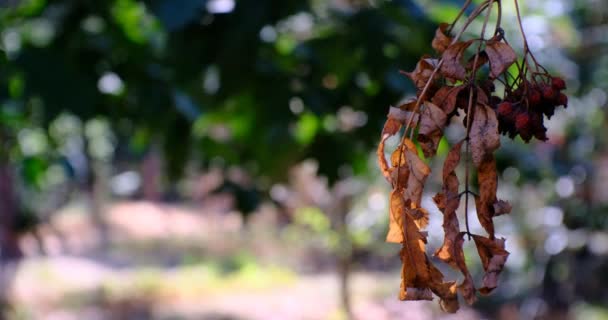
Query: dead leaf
415,269
452,66
493,258
420,215
441,40
501,207
424,69
501,57
432,122
488,181
483,59
451,252
483,134
419,171
396,210
386,172
446,291
445,98
402,116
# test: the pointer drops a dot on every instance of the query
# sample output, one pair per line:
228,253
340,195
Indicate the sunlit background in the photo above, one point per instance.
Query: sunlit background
214,159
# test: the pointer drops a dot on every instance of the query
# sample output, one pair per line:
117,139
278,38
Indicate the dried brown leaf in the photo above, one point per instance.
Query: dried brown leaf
445,98
441,40
419,171
484,135
396,211
432,122
452,66
483,59
451,252
501,207
501,57
446,291
424,69
386,172
402,116
415,269
493,258
487,178
420,215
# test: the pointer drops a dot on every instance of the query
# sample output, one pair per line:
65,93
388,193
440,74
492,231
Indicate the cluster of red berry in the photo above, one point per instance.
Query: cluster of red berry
521,112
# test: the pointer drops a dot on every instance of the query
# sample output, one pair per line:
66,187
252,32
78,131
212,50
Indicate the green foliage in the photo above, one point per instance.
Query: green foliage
208,85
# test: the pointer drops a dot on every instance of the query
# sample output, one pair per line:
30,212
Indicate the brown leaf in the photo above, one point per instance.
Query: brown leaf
450,180
488,180
420,215
432,123
386,172
424,70
445,98
415,270
501,57
451,251
483,59
452,66
482,97
501,207
484,135
399,172
446,291
493,258
396,210
419,171
402,116
441,40
396,118
409,105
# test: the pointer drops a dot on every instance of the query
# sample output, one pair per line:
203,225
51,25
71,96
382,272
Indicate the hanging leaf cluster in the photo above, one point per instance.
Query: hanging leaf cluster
461,81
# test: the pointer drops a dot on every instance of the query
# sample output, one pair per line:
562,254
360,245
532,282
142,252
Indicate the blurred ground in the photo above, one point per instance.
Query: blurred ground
171,262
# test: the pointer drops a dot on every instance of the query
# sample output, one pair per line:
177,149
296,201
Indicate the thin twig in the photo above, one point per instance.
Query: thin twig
462,10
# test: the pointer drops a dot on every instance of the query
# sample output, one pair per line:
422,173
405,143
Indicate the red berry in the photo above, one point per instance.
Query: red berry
522,121
548,93
562,100
505,109
558,83
534,97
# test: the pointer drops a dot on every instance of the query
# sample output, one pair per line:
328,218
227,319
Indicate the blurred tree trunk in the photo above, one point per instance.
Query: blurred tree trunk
9,241
10,253
93,188
151,174
344,255
344,272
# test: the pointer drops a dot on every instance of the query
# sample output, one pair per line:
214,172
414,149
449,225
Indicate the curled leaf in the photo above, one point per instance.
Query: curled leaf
493,258
396,210
483,133
381,158
501,57
488,180
501,207
424,69
402,116
446,291
452,66
451,252
481,60
441,40
415,269
445,98
432,122
419,171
